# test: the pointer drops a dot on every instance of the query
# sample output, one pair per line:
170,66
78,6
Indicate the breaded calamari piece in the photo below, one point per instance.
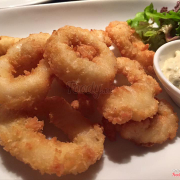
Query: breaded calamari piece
135,102
20,86
6,42
161,127
20,135
130,44
80,59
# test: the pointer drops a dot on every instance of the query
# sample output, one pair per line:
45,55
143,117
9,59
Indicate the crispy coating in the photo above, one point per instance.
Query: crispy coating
6,42
74,68
103,36
161,127
135,102
130,44
23,91
22,137
86,51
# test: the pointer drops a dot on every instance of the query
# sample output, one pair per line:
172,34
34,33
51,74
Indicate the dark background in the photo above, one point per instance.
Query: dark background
57,1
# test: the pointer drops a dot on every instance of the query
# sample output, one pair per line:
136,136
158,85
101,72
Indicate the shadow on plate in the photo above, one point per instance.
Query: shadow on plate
26,173
122,150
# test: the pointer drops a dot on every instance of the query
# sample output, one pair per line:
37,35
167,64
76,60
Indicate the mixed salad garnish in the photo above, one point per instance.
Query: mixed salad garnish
156,28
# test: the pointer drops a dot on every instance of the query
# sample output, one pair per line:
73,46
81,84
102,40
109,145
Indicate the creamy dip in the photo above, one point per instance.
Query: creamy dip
171,69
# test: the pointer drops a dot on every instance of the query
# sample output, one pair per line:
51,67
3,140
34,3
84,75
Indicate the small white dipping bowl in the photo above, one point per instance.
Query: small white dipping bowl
162,54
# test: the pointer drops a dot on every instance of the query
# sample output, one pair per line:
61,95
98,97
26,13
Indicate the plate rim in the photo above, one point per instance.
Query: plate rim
71,2
31,3
64,4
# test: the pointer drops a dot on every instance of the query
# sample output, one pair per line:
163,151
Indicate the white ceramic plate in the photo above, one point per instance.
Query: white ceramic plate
122,159
13,3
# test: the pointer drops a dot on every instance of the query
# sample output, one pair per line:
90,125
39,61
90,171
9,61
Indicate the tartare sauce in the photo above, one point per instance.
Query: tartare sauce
171,69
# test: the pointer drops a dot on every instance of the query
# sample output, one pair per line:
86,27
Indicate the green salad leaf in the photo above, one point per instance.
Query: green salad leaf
157,28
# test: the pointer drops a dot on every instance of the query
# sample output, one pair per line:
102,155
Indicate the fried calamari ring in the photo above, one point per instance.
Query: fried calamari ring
73,66
161,127
130,44
134,102
6,42
24,91
21,137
